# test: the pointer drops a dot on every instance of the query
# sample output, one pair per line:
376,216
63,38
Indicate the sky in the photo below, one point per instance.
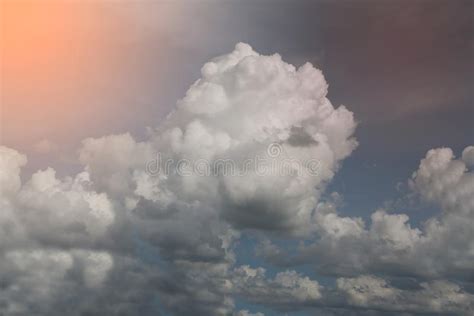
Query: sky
368,104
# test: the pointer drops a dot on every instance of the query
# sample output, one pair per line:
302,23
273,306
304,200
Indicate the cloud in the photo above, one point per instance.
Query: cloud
433,297
111,160
441,248
10,162
44,280
468,156
247,313
119,236
288,288
57,212
243,103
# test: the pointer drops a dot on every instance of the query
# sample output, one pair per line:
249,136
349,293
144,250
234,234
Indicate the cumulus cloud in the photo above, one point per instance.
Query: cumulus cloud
127,232
441,248
247,313
285,290
243,103
50,230
468,156
44,280
432,297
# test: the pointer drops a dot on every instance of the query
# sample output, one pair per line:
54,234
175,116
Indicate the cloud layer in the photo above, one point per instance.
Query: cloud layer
119,239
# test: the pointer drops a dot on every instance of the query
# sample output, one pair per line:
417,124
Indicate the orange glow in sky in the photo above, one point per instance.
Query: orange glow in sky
44,51
63,63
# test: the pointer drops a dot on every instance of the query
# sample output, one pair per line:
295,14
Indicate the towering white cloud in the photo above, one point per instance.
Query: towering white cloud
243,103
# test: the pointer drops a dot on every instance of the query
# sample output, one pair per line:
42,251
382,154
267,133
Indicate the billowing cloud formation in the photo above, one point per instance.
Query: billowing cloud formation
153,225
391,245
434,297
243,104
50,234
286,288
